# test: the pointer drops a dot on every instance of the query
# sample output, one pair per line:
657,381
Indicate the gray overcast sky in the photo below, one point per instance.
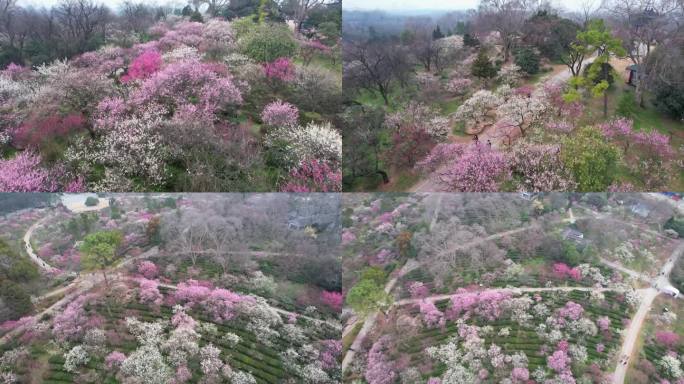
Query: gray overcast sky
403,5
110,3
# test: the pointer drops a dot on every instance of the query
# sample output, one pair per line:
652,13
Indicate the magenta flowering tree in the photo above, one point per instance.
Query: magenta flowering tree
487,304
314,176
71,323
280,69
309,48
143,66
563,271
329,353
379,370
571,310
603,323
219,303
347,236
23,173
459,86
667,339
280,114
559,361
333,300
191,292
148,269
479,169
113,360
417,290
149,292
431,315
539,168
520,375
654,162
188,82
34,132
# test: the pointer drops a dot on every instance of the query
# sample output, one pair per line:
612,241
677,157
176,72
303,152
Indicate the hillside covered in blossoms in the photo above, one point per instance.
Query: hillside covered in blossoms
512,288
200,288
171,99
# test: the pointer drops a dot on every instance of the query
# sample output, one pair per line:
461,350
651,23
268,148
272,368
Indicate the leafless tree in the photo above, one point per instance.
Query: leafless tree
642,25
81,20
375,65
216,6
506,17
137,16
301,9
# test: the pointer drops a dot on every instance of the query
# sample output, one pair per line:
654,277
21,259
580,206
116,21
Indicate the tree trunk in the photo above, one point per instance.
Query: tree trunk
639,92
605,93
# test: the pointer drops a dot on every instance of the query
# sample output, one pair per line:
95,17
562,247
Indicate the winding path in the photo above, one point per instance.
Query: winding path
45,267
431,183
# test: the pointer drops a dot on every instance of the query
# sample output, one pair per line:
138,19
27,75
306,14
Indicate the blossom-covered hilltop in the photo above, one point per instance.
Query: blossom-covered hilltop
205,288
240,105
512,288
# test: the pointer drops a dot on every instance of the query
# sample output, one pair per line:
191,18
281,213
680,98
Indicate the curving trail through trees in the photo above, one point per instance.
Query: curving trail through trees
635,326
44,266
431,182
648,295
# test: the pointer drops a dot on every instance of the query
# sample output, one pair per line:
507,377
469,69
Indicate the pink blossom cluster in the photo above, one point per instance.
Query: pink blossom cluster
280,114
314,175
383,256
331,350
440,154
114,360
315,45
520,374
667,339
186,33
379,370
417,289
347,236
563,271
23,173
148,269
459,86
35,131
149,292
280,69
143,66
188,81
16,72
180,319
218,302
71,323
479,169
483,303
332,299
571,310
13,324
603,323
559,361
431,315
652,142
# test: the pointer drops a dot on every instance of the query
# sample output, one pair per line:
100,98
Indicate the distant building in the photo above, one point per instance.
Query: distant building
640,209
